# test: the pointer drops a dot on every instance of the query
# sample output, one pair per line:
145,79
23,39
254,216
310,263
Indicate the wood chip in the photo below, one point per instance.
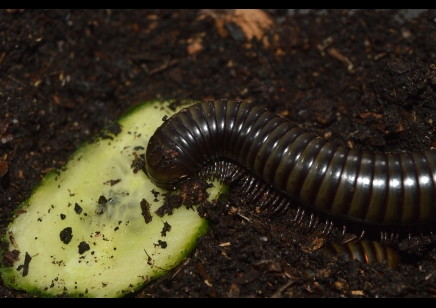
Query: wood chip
357,292
337,55
233,291
203,273
364,115
3,168
195,45
224,244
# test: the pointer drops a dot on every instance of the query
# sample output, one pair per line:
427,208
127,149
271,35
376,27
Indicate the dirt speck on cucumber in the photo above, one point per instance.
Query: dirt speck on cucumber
77,208
66,235
145,211
83,247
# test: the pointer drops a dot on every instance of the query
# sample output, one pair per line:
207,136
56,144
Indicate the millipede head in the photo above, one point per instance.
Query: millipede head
162,164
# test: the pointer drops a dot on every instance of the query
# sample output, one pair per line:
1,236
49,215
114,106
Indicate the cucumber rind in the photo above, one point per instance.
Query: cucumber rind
140,121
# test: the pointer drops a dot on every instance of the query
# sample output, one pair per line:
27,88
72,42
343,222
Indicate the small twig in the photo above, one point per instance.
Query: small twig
16,80
278,293
337,55
2,57
243,217
181,267
162,67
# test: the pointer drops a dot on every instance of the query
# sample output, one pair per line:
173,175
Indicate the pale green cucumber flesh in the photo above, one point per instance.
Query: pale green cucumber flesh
119,252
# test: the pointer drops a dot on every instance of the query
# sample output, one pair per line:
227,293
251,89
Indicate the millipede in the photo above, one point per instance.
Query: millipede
392,191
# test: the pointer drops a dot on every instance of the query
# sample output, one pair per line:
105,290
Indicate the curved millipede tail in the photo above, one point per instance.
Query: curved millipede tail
369,252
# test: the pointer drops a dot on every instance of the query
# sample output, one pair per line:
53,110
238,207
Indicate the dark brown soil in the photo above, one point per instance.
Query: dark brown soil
366,79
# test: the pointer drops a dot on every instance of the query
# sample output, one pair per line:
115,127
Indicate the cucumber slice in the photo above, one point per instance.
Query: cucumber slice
83,233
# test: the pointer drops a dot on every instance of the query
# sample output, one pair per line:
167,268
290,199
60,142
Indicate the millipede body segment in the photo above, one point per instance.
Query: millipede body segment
369,252
381,189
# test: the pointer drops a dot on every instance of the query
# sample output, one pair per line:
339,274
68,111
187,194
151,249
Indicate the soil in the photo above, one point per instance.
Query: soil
365,79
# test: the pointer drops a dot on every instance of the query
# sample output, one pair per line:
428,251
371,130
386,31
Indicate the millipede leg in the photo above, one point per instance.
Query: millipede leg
388,239
236,174
268,200
312,217
421,236
275,211
313,222
382,239
259,193
325,227
299,219
276,200
284,208
344,230
255,189
328,228
391,239
296,217
362,234
245,184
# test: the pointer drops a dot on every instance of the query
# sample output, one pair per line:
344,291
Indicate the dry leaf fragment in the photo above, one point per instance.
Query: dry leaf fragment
252,22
